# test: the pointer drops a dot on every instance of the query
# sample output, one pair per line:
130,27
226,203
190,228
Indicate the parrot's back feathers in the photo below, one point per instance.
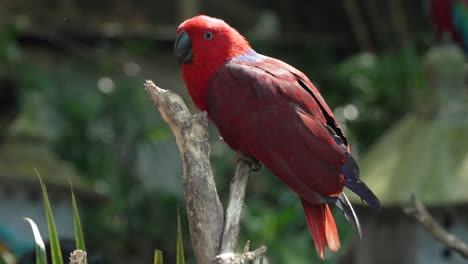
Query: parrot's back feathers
331,123
276,96
268,108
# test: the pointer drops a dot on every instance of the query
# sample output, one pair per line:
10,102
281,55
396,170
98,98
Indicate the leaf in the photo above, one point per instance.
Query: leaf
41,257
79,238
180,243
158,257
55,251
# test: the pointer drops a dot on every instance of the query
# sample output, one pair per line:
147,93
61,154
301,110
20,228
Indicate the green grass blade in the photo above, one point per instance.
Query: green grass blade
180,243
41,257
6,257
55,252
79,238
158,257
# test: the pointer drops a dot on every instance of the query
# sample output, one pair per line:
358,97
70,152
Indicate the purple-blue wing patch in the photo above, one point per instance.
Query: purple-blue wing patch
251,56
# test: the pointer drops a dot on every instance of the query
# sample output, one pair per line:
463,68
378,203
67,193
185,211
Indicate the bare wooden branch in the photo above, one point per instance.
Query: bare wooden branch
205,212
376,22
357,23
232,220
188,9
204,209
398,20
420,213
234,209
78,257
235,258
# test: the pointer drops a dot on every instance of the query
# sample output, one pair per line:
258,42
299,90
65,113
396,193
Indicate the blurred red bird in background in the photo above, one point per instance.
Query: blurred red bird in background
272,112
450,20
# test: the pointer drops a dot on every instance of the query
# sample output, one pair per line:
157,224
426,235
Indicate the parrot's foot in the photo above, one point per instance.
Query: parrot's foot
253,162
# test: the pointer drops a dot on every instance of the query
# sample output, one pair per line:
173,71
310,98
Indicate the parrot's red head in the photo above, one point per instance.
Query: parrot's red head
203,45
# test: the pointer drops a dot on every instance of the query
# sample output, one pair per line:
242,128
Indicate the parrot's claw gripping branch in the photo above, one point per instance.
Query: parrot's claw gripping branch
419,212
204,209
255,165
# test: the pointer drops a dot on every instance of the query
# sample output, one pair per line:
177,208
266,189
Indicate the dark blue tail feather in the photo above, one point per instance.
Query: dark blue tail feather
343,203
350,171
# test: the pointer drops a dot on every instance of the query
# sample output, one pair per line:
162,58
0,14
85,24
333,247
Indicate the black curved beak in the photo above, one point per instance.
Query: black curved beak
183,48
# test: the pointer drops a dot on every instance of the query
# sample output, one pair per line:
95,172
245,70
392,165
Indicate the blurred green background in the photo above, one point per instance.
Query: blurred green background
71,83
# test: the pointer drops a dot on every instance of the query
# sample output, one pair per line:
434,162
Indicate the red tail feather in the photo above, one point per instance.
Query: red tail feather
322,227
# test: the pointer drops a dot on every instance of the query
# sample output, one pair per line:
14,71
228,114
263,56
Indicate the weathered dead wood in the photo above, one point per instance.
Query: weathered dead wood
235,258
398,21
78,257
357,24
419,212
205,212
234,209
204,209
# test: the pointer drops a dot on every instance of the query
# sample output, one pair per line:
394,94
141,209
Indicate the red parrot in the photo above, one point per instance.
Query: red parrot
272,112
450,20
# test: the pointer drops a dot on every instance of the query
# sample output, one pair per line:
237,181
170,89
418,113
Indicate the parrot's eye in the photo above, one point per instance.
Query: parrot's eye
208,35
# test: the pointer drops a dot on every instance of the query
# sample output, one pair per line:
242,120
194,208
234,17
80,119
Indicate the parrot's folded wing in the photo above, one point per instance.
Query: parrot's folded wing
261,109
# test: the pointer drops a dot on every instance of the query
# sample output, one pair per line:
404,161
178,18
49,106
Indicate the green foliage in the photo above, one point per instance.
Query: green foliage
41,257
9,50
79,238
180,258
158,257
180,244
55,252
382,88
139,46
